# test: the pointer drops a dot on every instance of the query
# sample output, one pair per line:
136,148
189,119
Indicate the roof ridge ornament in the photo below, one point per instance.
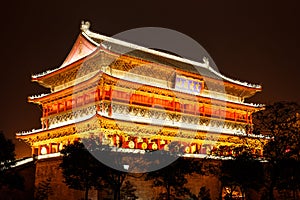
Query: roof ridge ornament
205,61
85,26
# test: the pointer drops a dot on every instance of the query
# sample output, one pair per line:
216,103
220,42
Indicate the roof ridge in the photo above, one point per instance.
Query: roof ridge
90,34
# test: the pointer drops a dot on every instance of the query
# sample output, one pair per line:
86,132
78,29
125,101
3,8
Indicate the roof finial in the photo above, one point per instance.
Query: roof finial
85,25
205,61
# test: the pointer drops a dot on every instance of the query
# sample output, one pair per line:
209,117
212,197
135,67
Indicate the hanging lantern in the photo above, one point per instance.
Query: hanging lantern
44,151
152,146
166,147
131,144
187,149
142,145
193,148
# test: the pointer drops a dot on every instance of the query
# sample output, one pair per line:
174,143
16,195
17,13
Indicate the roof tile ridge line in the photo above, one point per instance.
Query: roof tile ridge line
138,47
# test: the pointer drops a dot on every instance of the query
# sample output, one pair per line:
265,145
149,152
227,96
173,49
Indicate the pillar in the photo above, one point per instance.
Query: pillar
110,98
39,149
65,107
43,124
57,144
50,148
32,150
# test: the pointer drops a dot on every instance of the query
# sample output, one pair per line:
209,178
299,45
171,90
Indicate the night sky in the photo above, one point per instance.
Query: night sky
254,41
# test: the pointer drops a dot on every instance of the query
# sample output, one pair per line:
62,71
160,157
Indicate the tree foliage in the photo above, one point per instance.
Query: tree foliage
204,194
173,178
44,190
79,168
128,191
82,171
281,122
243,172
8,177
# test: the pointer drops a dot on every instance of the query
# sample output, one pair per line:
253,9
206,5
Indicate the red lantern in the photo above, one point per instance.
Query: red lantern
142,145
152,146
130,144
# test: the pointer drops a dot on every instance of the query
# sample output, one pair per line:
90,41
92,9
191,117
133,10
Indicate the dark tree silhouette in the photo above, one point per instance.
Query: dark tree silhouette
115,180
8,176
280,121
173,178
80,169
204,194
243,171
110,176
44,190
288,183
128,191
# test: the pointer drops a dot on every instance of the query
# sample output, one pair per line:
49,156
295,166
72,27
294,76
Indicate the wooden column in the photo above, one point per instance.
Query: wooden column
98,94
58,144
47,123
102,99
32,150
83,99
173,104
110,99
65,103
39,149
50,148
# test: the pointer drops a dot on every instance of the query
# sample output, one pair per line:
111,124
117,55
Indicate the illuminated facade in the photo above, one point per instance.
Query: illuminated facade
142,99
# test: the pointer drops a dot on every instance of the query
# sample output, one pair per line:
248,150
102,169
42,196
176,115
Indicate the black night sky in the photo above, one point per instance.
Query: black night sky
254,41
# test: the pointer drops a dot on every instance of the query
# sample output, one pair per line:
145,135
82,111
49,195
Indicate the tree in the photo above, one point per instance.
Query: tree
204,194
172,178
112,177
80,169
44,190
8,177
115,180
288,179
280,121
128,191
242,172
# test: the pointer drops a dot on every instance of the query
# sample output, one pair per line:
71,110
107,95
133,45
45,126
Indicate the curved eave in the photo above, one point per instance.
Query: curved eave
41,132
25,135
67,91
95,78
68,63
41,79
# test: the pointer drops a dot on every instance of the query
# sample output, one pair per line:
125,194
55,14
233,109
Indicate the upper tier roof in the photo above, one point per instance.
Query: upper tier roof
89,41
